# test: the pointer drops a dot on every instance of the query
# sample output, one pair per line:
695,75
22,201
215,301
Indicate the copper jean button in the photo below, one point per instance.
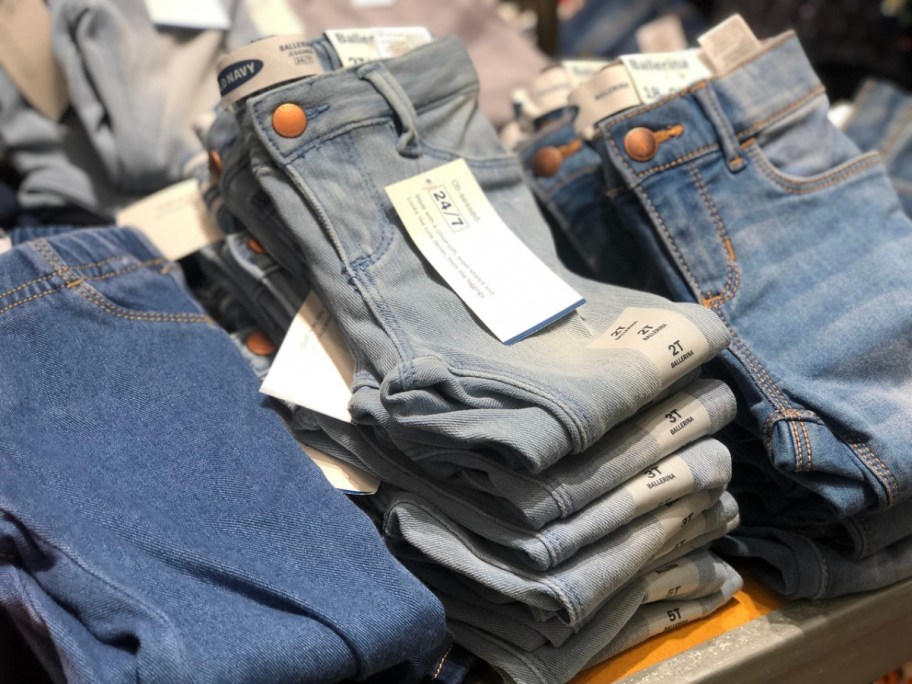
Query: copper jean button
547,161
289,120
640,144
260,344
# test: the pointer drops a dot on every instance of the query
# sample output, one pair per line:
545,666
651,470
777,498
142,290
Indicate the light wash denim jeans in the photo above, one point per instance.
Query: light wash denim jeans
426,372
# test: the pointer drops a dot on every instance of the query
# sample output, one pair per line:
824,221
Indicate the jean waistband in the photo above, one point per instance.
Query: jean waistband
395,88
41,266
715,114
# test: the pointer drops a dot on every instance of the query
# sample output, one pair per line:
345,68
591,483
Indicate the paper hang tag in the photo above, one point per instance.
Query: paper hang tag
274,17
27,56
669,479
313,367
175,219
729,44
608,92
658,75
265,63
458,231
196,14
358,46
678,578
665,34
581,70
341,475
664,616
675,422
673,344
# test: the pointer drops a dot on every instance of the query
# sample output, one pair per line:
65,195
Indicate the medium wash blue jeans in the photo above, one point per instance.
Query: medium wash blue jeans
157,521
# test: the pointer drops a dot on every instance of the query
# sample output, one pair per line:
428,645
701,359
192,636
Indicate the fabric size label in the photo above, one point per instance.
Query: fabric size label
664,616
670,479
455,227
676,422
175,219
673,344
683,514
313,367
610,91
679,578
265,63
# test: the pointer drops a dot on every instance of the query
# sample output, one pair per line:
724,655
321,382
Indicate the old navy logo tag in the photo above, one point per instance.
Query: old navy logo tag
237,74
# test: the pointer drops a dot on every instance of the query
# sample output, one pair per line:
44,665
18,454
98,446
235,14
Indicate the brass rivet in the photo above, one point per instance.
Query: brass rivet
547,161
640,144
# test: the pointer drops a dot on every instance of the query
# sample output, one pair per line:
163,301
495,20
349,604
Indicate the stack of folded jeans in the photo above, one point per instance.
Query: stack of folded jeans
554,484
737,193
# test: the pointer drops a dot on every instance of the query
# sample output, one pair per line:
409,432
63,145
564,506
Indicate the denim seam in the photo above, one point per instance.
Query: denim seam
827,180
51,275
795,104
733,279
794,416
30,299
680,160
442,661
824,571
886,476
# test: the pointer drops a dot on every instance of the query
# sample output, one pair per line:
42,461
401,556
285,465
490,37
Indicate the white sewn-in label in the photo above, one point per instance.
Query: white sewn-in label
668,339
678,578
360,45
666,481
342,475
550,88
28,58
455,227
729,44
665,34
581,70
265,63
691,528
608,92
681,515
676,422
313,367
197,14
661,74
274,17
175,219
661,617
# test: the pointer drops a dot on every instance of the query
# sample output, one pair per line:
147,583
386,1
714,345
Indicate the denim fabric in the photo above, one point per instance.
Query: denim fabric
574,589
799,567
708,461
165,526
619,626
426,372
882,120
754,211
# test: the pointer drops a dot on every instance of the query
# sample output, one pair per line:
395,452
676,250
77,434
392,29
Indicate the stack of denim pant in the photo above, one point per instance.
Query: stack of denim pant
762,211
510,472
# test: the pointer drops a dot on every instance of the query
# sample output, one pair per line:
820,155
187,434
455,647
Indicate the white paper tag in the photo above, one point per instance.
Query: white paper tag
665,34
672,342
395,41
608,92
675,422
342,475
6,242
175,219
452,223
840,113
666,481
28,58
550,89
661,617
681,515
265,63
194,14
678,578
360,45
313,367
581,70
661,74
729,44
274,17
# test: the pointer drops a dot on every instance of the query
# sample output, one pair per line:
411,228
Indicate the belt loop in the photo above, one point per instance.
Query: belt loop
707,98
384,82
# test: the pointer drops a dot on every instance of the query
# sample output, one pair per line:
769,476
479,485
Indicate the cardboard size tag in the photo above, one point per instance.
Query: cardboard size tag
678,578
28,58
341,475
675,422
608,92
668,339
265,63
196,14
669,479
360,45
661,74
728,44
665,34
313,367
175,219
274,17
455,227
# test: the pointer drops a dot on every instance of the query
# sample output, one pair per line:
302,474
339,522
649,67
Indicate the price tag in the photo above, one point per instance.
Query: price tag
341,475
198,14
668,339
313,367
658,75
680,578
676,422
666,481
729,44
358,46
458,231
